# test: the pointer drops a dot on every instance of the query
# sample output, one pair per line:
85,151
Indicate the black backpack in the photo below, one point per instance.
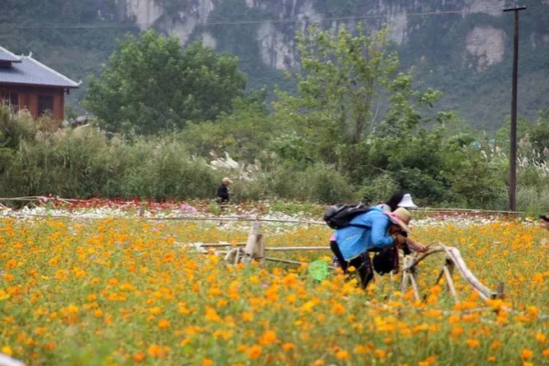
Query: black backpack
340,215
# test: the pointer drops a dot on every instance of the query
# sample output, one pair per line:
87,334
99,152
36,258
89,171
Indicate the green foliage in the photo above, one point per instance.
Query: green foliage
152,84
339,91
243,134
316,183
378,189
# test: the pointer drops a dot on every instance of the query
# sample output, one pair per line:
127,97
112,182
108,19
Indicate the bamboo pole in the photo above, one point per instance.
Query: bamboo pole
404,285
419,259
414,286
286,261
287,249
221,245
289,261
6,360
484,292
450,282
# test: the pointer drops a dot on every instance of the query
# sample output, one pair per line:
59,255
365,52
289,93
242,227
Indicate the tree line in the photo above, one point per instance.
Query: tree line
357,126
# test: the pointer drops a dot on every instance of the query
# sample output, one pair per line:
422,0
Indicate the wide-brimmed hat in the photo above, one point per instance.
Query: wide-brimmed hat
401,217
407,202
226,180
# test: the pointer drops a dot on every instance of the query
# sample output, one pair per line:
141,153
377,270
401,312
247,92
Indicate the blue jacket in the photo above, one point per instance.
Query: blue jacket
353,241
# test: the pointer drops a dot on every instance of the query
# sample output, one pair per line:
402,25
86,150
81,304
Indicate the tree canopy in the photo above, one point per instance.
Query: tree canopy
152,84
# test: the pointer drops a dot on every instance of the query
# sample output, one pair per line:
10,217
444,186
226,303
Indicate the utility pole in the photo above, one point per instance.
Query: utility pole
513,152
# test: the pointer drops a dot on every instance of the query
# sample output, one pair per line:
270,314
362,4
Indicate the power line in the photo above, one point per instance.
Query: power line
242,22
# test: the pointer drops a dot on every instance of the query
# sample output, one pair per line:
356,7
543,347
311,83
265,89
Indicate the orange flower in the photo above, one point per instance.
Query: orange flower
526,353
138,357
381,354
472,343
254,352
207,362
247,317
211,315
155,351
164,324
288,346
268,337
338,309
342,355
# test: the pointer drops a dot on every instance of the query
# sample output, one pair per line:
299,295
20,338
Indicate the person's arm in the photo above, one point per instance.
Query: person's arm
416,246
380,237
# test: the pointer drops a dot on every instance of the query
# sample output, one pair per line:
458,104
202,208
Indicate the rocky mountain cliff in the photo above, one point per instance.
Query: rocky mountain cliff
278,20
462,47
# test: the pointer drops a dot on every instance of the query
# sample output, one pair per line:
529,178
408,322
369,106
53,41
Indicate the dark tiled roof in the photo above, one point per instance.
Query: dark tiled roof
31,72
7,56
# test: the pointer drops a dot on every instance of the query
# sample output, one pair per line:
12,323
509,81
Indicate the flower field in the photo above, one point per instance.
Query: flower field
124,291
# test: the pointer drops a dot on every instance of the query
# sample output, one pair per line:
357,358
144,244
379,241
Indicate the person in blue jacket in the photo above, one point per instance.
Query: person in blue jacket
374,230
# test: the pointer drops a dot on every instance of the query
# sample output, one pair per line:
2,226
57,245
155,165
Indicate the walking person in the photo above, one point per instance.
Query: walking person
223,192
399,199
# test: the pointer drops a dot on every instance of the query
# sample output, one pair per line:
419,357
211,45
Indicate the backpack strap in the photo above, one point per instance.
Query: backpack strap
360,226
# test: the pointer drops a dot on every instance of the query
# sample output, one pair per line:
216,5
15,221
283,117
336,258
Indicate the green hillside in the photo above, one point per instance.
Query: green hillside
465,54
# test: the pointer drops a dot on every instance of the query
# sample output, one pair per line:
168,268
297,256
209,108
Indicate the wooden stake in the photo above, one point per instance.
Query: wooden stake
500,292
414,286
260,251
252,241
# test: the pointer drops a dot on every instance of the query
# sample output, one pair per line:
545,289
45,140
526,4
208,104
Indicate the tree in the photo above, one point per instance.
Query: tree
244,134
349,92
152,84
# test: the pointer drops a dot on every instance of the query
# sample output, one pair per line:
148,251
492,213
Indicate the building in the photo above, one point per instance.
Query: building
28,84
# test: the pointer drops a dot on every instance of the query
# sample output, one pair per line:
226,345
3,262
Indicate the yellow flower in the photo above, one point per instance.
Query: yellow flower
541,338
7,350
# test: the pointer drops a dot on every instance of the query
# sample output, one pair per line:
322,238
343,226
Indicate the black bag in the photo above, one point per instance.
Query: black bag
340,215
384,260
387,259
